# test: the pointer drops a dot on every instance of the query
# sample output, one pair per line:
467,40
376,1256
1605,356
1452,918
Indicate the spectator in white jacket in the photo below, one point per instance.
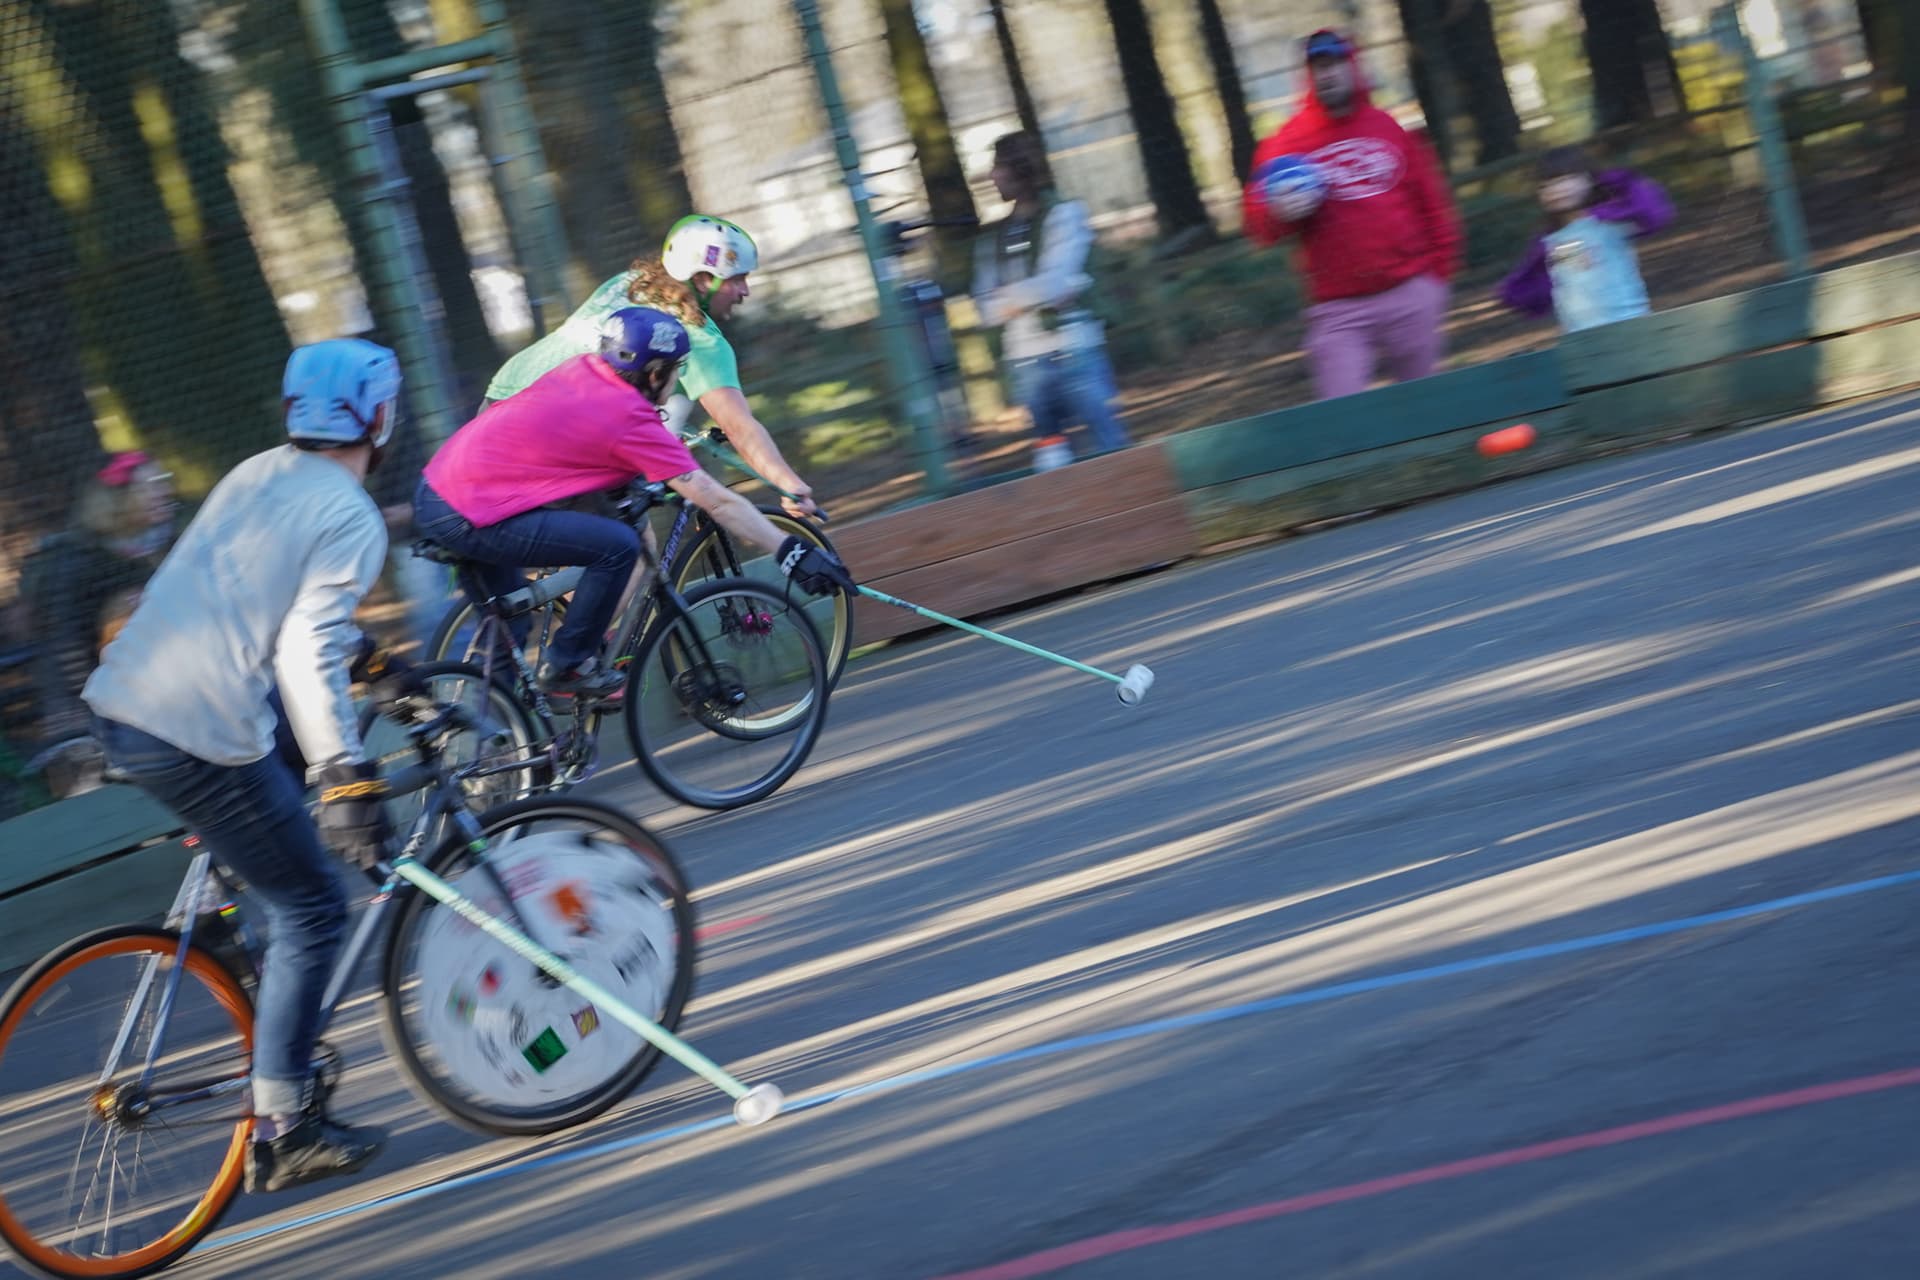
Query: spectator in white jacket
1030,280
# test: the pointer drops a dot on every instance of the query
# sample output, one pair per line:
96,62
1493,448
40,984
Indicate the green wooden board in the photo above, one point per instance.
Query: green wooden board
1400,473
1775,315
135,889
1493,394
1769,384
78,831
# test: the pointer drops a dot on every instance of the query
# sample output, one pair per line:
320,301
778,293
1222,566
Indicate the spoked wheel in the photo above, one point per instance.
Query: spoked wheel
103,1174
503,752
710,556
725,702
486,1035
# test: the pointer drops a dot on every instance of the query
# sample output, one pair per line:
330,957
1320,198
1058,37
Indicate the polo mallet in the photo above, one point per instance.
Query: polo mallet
751,1106
1133,685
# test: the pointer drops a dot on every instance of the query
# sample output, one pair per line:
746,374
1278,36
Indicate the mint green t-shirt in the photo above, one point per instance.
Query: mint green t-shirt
710,363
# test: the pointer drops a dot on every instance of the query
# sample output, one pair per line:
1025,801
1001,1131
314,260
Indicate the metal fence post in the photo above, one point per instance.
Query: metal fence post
541,235
1783,195
399,299
913,382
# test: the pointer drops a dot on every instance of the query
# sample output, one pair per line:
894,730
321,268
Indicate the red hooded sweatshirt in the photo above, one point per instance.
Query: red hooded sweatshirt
1388,215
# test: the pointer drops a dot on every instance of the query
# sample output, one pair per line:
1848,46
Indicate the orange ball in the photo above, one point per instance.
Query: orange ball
1507,440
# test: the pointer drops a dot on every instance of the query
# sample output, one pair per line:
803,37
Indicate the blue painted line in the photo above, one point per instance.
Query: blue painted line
1315,995
452,1184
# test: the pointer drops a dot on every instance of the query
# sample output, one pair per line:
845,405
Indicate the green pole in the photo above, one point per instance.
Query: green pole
397,297
1783,195
912,381
542,236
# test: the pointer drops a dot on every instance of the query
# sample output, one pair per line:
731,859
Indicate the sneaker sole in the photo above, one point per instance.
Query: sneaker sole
254,1186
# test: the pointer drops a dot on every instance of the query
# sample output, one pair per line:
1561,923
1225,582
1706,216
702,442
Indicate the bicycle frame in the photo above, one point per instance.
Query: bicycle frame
662,597
752,1106
202,885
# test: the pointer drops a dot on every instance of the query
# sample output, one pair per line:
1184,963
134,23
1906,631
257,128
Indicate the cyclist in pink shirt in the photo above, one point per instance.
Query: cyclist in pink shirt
590,424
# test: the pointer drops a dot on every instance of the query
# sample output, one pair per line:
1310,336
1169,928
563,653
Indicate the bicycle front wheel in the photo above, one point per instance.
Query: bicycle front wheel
486,1035
725,701
711,556
107,1169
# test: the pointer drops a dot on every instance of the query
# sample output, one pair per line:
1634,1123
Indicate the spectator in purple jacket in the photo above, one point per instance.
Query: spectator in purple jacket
1582,266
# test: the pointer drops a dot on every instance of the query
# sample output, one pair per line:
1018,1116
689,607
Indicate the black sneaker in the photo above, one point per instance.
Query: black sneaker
313,1149
588,680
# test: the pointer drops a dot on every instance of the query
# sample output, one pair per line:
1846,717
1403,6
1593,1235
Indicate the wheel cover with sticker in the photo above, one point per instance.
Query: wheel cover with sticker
499,1030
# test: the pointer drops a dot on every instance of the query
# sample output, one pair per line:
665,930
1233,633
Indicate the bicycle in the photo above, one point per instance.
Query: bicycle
492,1041
706,553
727,681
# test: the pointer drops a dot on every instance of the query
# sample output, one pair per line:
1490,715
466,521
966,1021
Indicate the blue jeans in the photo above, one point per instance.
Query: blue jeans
606,548
253,818
1069,388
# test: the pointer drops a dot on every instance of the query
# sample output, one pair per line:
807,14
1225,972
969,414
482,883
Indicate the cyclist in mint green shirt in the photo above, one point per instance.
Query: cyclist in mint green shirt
699,278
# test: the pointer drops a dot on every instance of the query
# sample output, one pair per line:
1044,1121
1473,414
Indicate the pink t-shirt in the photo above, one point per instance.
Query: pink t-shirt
576,429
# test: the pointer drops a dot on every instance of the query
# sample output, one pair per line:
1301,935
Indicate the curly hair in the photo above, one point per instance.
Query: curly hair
653,287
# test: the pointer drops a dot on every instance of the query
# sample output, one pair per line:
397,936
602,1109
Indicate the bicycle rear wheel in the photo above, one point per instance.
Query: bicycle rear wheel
99,1176
457,638
485,1035
724,702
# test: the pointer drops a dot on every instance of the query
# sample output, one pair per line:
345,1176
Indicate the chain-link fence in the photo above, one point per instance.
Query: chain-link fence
184,200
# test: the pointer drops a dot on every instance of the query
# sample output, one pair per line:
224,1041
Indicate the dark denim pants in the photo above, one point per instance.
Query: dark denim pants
606,548
1068,389
254,819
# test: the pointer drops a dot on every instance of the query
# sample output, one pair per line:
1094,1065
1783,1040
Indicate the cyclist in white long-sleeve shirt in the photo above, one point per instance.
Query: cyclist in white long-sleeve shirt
260,590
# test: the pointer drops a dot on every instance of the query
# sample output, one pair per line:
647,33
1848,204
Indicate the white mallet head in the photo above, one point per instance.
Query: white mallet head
758,1104
1134,686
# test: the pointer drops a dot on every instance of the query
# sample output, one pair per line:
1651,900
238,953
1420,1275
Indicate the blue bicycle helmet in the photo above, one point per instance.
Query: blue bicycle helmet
334,390
634,337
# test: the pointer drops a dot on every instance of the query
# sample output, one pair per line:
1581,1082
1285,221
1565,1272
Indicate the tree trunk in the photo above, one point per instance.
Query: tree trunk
47,439
373,34
1017,77
177,324
1635,78
606,128
1226,80
1891,30
1163,149
1431,68
949,198
1474,52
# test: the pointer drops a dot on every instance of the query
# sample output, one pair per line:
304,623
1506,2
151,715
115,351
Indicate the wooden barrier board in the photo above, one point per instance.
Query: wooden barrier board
1018,541
1764,385
75,833
1503,391
1775,315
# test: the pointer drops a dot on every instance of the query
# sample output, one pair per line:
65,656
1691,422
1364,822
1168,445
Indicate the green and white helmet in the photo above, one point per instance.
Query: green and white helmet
701,243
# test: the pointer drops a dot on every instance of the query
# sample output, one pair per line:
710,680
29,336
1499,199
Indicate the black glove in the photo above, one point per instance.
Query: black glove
815,568
353,816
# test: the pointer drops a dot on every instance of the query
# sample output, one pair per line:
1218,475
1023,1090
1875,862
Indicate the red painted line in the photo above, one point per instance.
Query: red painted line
1068,1255
706,931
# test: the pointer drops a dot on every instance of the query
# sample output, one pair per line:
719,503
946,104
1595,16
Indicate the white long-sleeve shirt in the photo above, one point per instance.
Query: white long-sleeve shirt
260,589
1010,297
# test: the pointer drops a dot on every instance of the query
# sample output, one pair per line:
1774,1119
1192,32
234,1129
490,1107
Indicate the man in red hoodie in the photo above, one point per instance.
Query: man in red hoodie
1379,247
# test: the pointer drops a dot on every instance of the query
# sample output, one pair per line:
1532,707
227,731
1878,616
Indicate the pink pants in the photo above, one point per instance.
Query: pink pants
1347,336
